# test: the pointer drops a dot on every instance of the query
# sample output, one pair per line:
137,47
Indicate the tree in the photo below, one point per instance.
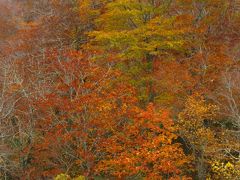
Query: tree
121,89
140,33
92,126
192,128
227,98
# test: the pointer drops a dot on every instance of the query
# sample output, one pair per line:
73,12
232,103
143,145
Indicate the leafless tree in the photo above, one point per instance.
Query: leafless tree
228,99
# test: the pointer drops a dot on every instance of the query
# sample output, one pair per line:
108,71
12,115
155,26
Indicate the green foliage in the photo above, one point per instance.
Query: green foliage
137,29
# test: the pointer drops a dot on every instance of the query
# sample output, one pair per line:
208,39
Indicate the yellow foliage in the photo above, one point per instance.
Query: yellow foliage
191,120
67,177
224,170
62,177
136,28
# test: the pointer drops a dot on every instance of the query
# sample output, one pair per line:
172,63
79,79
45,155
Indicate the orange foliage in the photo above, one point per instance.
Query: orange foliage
92,126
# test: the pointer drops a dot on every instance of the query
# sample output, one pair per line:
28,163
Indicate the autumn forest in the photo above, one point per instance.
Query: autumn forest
120,89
